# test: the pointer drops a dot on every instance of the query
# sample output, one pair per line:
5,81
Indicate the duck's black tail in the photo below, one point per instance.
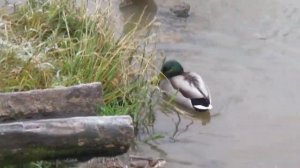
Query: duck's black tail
202,102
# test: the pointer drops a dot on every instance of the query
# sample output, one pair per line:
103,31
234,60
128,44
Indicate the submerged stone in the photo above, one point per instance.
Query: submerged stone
181,9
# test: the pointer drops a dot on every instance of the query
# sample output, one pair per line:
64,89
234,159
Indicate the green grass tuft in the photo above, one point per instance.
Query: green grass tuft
49,43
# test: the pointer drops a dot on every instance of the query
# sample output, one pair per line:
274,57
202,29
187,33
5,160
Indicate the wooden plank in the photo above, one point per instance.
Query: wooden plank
79,100
62,138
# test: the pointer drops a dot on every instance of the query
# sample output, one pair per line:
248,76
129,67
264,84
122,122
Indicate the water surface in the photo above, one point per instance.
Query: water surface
248,53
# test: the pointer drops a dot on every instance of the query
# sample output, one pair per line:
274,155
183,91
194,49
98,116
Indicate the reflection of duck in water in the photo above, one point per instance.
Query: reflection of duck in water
189,88
204,117
135,11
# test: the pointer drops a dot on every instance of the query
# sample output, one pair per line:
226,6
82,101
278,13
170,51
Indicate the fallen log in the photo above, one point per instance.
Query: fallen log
63,138
79,100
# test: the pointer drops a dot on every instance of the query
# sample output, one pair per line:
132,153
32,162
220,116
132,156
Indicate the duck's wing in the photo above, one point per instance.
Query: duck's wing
190,85
199,84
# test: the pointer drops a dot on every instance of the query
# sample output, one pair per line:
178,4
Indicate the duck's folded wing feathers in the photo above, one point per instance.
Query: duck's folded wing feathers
191,85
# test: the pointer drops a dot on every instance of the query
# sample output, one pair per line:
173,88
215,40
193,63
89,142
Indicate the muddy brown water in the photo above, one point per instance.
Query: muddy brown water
248,53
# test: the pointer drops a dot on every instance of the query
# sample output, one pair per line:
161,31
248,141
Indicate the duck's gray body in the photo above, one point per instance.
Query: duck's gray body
191,90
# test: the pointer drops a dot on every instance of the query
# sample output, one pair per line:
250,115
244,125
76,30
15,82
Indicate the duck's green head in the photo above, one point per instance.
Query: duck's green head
171,68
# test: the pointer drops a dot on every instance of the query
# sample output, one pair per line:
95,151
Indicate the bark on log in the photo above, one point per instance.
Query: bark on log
75,137
79,100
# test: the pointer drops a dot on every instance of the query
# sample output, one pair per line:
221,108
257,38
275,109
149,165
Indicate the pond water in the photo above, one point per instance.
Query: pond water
248,53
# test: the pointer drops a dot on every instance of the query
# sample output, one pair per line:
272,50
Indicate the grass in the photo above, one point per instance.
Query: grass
49,43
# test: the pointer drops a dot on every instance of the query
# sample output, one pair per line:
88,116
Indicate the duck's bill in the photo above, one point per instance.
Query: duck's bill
199,107
156,79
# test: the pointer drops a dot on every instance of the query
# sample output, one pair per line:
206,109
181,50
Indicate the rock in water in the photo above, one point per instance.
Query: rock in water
125,3
181,10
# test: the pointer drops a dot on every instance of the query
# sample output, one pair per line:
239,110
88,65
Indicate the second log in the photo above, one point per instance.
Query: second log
65,138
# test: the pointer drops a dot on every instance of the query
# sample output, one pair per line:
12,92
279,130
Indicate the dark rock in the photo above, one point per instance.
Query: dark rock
125,3
181,10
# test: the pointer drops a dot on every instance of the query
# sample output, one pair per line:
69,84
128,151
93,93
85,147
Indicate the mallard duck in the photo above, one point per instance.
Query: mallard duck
189,84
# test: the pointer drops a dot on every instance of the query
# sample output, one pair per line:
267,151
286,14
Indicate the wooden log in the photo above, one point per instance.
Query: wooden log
79,100
63,138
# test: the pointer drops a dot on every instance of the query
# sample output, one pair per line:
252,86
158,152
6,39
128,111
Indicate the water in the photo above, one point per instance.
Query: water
248,54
